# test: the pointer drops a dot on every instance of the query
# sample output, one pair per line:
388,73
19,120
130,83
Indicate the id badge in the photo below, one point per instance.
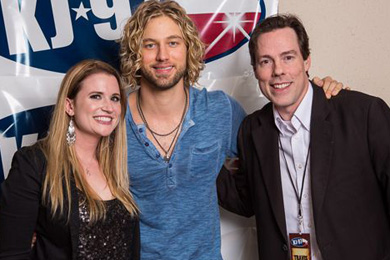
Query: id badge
300,246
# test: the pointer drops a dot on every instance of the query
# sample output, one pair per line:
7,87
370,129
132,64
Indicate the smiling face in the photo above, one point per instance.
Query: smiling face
163,54
96,108
281,70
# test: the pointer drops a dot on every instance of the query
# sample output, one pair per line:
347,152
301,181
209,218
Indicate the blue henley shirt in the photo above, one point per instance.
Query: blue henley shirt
178,199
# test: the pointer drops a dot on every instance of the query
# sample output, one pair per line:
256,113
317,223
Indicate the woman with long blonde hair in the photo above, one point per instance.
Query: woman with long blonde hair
72,188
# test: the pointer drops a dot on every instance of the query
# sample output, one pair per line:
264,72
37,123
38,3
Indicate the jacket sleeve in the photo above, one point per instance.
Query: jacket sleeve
137,241
19,204
232,182
379,144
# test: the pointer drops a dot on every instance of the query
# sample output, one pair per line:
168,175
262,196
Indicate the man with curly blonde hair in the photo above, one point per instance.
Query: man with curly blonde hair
178,136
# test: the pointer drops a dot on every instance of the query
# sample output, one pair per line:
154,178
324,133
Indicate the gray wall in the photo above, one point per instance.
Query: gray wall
349,39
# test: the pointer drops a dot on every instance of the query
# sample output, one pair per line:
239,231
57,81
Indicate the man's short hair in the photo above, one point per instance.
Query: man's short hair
131,41
279,22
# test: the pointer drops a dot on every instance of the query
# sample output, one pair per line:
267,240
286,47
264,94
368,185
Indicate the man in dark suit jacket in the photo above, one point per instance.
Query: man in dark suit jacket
309,165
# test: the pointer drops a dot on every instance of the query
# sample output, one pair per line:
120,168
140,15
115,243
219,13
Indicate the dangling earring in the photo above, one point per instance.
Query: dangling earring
71,134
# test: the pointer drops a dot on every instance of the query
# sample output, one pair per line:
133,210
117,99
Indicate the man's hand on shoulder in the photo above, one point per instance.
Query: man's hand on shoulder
232,164
331,87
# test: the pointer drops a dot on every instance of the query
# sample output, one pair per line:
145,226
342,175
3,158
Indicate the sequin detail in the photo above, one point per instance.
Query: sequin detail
108,239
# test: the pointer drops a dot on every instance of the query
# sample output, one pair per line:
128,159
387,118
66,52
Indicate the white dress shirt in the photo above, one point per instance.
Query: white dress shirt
295,140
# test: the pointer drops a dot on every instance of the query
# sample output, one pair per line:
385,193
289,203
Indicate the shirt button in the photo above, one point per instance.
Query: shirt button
157,155
299,166
305,196
140,130
170,165
146,144
284,247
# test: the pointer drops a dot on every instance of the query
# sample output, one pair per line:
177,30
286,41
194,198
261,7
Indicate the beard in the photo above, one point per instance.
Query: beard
162,82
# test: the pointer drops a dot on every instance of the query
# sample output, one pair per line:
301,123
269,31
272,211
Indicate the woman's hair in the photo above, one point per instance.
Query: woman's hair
63,166
131,41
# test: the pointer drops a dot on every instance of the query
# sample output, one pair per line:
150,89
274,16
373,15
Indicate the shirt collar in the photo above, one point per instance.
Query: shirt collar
301,117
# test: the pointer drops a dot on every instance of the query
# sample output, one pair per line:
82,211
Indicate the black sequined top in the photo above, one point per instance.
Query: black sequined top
110,238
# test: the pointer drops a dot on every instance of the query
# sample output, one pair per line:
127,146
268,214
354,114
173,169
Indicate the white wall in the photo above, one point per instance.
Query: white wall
349,39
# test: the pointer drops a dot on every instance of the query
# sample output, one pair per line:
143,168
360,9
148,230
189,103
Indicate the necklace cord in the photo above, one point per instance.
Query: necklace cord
299,196
177,129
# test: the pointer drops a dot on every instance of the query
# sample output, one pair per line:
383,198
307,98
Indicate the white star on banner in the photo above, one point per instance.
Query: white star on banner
233,23
81,11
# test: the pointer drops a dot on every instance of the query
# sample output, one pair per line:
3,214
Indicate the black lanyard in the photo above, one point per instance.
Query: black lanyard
298,195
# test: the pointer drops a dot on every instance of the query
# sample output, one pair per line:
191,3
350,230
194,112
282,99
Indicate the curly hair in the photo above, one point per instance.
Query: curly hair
131,41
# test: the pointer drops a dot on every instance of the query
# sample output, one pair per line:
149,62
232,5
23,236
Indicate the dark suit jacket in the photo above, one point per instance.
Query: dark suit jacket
350,178
22,213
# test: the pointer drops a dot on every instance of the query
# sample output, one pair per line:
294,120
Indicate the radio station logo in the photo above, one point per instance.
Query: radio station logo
299,242
19,130
54,35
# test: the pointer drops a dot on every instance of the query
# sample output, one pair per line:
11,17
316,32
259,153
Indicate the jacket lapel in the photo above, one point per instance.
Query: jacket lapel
265,139
74,219
321,138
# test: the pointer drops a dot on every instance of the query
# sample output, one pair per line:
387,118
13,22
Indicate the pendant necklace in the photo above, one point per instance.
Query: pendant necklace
154,134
